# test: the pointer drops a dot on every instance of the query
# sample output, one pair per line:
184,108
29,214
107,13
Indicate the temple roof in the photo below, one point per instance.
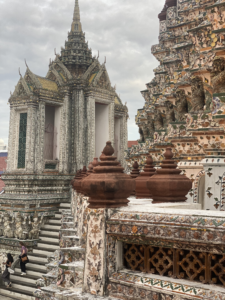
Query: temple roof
38,82
48,84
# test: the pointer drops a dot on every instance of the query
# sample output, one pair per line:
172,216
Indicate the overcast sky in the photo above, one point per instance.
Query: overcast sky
122,30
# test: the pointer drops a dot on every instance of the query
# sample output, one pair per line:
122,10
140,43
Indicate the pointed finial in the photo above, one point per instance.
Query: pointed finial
98,55
26,63
76,25
76,14
105,60
20,73
55,51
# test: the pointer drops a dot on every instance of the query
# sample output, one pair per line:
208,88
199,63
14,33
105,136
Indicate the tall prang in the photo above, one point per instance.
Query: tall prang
58,124
184,102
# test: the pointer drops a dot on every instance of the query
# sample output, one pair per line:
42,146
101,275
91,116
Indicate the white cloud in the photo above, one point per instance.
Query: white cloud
122,30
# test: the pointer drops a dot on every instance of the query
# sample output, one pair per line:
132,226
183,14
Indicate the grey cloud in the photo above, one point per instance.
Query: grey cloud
122,30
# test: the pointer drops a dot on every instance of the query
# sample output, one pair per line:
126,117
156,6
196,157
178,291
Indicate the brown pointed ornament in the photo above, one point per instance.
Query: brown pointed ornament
167,185
134,174
108,186
142,190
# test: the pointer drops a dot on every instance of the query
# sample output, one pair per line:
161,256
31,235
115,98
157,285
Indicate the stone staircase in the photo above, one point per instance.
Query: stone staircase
24,286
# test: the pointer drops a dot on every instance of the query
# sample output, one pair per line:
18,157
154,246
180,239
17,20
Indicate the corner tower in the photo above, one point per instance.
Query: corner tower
58,124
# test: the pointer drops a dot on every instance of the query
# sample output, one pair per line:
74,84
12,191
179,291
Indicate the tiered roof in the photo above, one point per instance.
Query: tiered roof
76,55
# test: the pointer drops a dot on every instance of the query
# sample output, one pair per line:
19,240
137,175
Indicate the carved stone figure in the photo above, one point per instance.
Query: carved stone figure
181,105
170,116
7,230
151,127
218,75
19,229
198,95
145,131
34,233
141,134
158,120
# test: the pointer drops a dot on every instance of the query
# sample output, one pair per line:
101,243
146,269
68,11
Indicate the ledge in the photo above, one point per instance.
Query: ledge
165,285
168,209
15,242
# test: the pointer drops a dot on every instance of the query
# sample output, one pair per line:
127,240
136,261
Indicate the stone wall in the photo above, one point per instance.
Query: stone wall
3,165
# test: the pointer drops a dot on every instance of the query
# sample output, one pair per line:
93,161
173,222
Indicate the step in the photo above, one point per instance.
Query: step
65,204
14,294
38,259
58,216
31,272
32,265
48,239
67,210
21,287
15,278
49,233
48,245
44,252
51,227
55,222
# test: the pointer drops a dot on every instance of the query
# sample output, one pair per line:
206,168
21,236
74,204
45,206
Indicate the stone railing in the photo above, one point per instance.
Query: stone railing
197,266
167,246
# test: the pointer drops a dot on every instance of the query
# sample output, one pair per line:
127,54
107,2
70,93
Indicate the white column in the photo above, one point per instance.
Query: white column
95,258
79,129
64,136
90,128
111,122
11,142
40,138
124,138
31,138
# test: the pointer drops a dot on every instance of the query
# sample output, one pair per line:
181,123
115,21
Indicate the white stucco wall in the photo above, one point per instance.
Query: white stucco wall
117,139
101,127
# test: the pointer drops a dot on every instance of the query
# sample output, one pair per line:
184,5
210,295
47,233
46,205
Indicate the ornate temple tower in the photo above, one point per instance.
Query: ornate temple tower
184,103
59,123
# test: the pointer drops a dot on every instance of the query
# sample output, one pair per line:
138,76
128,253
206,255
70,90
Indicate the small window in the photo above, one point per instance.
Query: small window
76,26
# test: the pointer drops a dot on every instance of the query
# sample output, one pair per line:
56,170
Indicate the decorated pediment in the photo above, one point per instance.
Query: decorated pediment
92,72
117,100
103,82
102,79
58,72
53,75
22,89
62,70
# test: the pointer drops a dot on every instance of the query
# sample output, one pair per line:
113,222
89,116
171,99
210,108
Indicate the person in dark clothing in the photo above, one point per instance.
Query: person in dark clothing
6,274
22,255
